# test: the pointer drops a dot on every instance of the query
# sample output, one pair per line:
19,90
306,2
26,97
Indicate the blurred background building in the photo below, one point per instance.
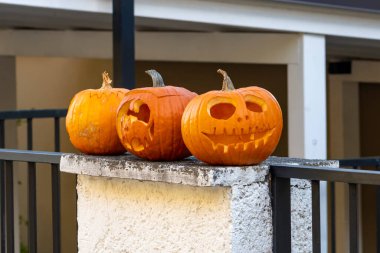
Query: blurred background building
319,58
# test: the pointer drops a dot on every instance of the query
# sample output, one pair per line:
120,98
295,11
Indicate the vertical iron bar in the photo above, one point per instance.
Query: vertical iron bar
55,180
2,191
2,205
378,219
281,215
29,132
32,209
9,206
377,216
353,216
57,139
316,216
32,194
124,43
332,202
2,133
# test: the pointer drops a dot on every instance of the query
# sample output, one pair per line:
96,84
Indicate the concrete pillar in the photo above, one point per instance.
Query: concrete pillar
127,204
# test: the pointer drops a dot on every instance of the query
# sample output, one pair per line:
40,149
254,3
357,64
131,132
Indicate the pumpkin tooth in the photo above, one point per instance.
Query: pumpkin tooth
246,145
252,137
220,147
256,144
225,149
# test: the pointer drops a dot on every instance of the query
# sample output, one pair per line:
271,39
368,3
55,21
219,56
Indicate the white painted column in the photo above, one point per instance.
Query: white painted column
307,100
307,111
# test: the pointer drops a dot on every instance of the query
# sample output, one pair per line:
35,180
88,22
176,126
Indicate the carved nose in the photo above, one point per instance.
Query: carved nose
239,119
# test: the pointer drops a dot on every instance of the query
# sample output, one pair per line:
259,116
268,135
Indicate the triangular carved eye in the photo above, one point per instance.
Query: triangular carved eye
222,110
255,104
140,110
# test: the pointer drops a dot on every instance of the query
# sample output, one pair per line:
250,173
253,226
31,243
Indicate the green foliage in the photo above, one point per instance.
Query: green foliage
23,248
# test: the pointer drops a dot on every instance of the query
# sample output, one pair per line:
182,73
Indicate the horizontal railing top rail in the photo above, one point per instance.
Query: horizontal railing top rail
361,161
30,156
327,174
24,114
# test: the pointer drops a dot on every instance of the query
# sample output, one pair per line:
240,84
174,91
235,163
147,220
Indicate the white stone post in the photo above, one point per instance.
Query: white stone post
129,205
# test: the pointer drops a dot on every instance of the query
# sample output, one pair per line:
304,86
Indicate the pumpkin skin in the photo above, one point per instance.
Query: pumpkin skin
91,117
149,120
232,127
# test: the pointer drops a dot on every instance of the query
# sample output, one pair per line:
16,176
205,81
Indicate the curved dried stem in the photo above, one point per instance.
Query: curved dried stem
227,83
156,78
106,81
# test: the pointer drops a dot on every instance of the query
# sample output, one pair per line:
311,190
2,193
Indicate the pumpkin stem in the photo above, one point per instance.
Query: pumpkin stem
227,83
156,78
106,81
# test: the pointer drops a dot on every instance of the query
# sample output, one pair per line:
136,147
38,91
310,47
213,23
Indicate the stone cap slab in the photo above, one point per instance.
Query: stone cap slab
189,171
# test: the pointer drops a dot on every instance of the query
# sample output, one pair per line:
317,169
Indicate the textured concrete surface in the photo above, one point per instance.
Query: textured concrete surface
251,214
301,219
119,215
188,171
129,205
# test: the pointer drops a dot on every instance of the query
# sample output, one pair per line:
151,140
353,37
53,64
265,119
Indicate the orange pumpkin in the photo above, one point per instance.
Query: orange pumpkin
232,127
149,120
91,117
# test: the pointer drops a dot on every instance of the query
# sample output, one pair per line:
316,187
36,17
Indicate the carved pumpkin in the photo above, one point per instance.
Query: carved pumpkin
149,120
91,120
232,127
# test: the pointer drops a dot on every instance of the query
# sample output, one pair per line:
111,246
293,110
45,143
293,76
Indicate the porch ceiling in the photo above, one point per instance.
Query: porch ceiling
98,17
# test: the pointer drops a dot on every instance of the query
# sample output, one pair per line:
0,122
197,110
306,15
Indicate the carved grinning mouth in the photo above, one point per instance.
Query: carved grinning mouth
236,141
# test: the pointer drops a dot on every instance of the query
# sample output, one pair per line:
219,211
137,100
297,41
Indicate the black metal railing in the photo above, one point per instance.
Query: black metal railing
361,163
281,175
7,158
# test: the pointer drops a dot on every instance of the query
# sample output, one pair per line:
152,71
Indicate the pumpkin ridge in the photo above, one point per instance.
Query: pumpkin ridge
89,120
198,127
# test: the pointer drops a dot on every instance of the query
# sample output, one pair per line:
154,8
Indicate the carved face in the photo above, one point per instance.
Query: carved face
232,127
149,122
137,124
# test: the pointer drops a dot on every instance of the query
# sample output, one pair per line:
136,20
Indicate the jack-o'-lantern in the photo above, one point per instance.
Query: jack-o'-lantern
90,120
232,126
149,120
